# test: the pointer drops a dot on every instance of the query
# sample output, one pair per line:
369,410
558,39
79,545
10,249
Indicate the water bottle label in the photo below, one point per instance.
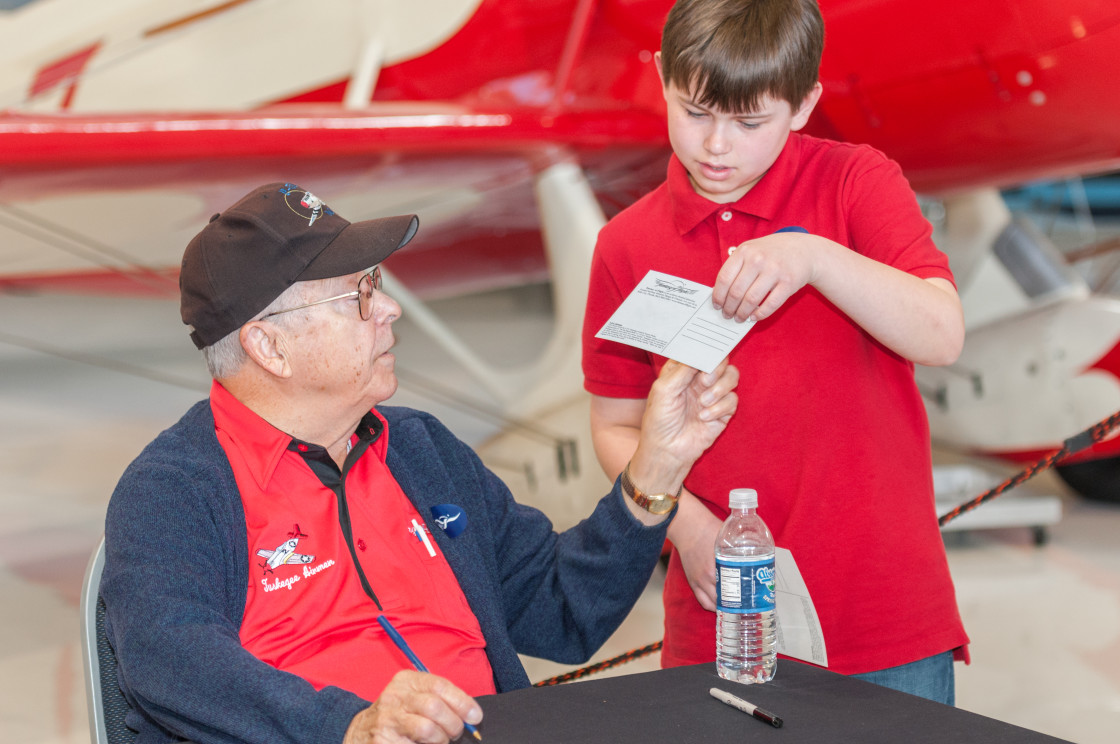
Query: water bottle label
745,586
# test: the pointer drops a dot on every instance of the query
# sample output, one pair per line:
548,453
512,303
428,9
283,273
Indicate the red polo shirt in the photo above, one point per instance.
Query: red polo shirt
830,427
306,611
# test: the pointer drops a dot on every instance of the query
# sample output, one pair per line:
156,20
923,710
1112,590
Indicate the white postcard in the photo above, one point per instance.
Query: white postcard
675,318
799,628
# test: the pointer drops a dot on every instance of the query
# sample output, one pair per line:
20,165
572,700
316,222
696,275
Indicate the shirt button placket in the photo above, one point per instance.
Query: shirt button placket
725,230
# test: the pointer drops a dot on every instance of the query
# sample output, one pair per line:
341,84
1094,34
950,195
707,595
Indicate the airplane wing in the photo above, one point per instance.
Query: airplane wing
968,95
108,202
292,558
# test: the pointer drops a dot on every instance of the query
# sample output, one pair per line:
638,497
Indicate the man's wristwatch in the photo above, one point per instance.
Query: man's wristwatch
654,503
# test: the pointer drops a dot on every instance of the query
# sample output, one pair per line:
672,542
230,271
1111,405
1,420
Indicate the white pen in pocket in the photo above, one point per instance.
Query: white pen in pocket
422,536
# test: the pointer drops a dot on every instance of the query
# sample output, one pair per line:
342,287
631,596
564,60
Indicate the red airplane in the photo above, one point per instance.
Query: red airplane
516,127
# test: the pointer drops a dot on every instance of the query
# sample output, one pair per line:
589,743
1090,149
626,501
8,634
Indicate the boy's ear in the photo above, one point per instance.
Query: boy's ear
657,64
801,117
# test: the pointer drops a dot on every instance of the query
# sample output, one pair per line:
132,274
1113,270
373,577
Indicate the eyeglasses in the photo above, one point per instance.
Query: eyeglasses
364,293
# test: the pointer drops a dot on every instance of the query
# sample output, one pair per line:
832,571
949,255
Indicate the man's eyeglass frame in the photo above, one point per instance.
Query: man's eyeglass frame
366,285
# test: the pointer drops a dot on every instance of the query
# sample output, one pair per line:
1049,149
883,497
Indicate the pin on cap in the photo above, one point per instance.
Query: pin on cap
275,236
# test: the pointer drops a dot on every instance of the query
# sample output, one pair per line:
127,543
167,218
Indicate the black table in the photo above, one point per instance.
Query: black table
674,706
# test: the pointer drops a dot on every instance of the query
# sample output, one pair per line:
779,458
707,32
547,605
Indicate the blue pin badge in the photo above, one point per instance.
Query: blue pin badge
450,518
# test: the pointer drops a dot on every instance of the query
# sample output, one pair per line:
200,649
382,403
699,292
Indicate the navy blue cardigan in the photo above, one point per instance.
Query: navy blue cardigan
176,573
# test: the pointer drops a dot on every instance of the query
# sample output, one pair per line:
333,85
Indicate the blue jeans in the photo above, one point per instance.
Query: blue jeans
931,678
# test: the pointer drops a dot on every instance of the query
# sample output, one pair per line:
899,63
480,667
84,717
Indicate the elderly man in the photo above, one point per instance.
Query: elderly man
255,548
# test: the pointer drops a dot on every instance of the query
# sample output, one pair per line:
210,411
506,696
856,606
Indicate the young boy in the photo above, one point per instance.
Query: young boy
831,429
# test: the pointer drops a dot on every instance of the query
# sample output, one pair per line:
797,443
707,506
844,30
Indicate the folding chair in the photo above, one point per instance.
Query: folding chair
106,703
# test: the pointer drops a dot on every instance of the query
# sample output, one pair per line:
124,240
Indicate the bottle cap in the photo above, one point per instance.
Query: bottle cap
743,498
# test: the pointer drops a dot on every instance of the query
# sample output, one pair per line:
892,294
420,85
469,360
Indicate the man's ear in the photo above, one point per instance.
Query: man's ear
801,116
265,345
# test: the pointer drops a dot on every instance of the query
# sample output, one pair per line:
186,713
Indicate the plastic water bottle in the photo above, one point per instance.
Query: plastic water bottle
745,622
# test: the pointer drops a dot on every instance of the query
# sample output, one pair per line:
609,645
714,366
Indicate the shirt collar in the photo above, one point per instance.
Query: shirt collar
262,445
763,200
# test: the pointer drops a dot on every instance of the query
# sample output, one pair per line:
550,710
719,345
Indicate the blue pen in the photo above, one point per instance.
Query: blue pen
398,639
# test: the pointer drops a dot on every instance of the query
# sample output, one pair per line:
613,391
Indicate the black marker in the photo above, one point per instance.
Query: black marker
743,705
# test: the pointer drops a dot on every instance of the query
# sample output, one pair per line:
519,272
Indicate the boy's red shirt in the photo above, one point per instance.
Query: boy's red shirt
830,430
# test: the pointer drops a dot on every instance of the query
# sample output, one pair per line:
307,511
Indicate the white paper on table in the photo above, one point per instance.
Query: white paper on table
675,318
799,628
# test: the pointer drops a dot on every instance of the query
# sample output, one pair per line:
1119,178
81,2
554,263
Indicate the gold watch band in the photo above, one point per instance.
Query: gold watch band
655,503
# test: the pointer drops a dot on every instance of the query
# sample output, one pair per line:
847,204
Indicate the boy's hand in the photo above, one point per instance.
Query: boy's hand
918,319
761,274
693,533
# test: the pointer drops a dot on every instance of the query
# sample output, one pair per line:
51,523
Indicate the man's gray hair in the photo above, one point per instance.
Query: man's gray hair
225,357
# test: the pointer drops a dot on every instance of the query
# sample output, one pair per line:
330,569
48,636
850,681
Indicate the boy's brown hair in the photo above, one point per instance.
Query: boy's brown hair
731,53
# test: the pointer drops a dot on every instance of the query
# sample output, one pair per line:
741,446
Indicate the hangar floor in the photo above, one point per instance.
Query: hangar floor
86,382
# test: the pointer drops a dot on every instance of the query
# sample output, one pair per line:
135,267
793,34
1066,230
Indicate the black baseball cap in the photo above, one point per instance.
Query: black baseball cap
276,236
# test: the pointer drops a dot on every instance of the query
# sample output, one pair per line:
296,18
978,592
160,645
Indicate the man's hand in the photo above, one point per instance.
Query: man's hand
760,275
414,707
685,412
687,409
